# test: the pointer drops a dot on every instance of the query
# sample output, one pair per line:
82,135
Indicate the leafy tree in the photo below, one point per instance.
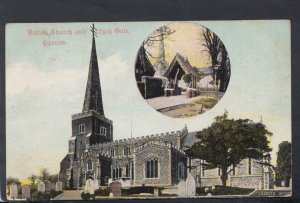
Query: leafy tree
219,57
284,163
44,174
11,180
187,78
227,142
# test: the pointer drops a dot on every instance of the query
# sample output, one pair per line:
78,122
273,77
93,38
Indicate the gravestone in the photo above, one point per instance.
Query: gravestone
156,192
41,186
52,186
89,187
47,185
190,186
181,188
96,184
13,191
58,186
115,188
26,192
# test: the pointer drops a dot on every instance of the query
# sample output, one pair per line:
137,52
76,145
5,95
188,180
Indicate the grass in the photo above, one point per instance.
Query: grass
192,108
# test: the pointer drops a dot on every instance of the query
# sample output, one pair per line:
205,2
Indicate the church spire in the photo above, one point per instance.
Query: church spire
93,95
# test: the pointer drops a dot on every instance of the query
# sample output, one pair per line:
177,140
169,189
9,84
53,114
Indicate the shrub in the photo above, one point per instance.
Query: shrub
103,191
54,193
140,189
41,196
223,190
87,196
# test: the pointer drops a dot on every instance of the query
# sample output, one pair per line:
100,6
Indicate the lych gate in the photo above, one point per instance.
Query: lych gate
179,67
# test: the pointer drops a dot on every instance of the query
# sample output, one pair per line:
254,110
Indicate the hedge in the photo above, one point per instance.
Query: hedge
223,190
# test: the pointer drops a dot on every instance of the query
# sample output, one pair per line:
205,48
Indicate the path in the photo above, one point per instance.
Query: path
164,102
69,195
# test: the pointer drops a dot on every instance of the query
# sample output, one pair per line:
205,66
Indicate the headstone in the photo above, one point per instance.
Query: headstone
26,192
190,186
13,191
156,192
89,187
206,190
47,185
181,188
52,186
96,184
58,186
41,186
115,189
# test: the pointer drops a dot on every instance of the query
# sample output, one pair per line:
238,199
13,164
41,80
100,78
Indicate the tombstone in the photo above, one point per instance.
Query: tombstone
26,192
115,188
181,188
52,186
96,184
13,191
190,186
41,186
47,185
58,186
89,187
156,192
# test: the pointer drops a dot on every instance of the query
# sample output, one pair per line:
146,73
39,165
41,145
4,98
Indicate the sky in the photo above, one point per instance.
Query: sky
45,84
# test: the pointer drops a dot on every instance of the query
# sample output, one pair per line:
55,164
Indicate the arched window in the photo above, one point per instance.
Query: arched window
112,152
126,151
151,168
81,128
128,169
181,172
89,165
117,170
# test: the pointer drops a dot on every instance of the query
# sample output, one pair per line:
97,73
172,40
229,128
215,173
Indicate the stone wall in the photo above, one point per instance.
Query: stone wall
160,153
177,158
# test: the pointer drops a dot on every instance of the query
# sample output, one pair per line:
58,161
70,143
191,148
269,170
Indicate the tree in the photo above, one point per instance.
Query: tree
219,57
284,163
11,180
227,142
44,174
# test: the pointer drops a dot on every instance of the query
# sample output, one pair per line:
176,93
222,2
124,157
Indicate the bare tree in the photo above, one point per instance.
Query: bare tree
219,57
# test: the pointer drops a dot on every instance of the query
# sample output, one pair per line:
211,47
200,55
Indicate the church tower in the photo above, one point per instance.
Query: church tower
91,126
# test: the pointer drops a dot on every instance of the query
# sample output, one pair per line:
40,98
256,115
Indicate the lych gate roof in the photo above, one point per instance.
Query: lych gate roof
183,62
93,95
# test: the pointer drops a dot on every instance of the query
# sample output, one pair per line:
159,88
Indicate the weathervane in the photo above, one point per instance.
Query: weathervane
94,30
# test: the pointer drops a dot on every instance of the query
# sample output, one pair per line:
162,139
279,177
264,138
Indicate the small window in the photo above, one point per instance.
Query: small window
249,166
89,165
102,131
112,152
81,128
151,168
126,151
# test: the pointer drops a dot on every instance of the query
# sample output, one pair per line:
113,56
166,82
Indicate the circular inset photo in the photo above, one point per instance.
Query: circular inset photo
182,69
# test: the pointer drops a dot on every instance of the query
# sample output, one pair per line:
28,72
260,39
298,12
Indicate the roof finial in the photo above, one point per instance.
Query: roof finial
94,30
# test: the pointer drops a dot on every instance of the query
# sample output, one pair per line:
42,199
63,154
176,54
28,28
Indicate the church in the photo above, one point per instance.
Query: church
152,160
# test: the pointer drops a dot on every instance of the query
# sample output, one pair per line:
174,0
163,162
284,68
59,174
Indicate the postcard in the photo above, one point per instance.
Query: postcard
143,110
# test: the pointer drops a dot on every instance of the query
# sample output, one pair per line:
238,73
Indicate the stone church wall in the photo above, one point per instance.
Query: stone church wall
163,155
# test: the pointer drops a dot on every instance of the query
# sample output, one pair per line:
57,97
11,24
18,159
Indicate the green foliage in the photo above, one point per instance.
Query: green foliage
227,142
284,166
11,180
140,189
187,78
87,196
43,196
102,191
223,190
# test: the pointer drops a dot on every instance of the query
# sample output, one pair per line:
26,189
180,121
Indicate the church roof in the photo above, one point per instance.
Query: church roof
183,62
93,94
